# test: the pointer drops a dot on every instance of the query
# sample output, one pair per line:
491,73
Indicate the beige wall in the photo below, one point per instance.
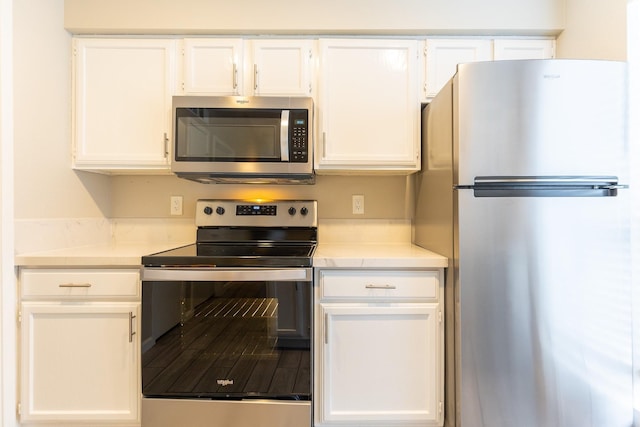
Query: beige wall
312,16
46,187
594,29
385,196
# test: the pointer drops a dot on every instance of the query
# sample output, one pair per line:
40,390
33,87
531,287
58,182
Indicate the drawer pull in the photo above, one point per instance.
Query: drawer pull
74,285
380,287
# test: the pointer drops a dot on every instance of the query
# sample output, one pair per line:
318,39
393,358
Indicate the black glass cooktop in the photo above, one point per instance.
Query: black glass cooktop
234,255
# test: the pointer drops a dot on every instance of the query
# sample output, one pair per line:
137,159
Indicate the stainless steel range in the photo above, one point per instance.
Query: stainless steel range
226,321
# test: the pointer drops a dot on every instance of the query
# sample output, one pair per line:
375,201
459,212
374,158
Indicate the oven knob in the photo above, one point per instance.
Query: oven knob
208,210
304,211
292,210
220,210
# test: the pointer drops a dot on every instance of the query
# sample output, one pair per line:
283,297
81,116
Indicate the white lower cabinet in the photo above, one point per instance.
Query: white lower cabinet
378,348
79,350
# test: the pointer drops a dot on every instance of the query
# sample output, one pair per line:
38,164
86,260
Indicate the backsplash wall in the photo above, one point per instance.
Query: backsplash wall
149,196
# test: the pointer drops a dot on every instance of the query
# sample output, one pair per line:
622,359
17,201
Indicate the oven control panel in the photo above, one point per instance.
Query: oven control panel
281,213
256,210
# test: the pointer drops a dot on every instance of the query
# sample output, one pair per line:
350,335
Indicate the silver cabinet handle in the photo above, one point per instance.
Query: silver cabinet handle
326,328
324,145
74,285
380,287
166,145
255,77
235,76
131,331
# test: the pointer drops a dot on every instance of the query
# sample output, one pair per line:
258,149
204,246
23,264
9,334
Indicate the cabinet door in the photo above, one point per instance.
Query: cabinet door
122,103
443,56
369,107
282,67
79,362
381,364
523,49
213,66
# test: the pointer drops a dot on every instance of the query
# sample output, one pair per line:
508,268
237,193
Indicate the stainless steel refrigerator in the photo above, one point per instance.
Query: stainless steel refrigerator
523,187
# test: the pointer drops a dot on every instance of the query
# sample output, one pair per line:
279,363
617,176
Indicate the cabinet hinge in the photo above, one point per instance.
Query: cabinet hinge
19,317
424,52
19,408
310,54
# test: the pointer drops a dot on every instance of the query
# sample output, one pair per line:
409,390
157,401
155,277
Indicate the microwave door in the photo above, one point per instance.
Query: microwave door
236,137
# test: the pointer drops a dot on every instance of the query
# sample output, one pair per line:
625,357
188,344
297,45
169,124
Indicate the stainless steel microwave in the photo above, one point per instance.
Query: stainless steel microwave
232,139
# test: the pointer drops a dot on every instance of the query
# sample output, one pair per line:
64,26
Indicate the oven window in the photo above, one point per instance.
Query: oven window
226,340
222,135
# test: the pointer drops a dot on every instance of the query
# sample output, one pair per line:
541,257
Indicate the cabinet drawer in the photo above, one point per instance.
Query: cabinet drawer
378,284
80,283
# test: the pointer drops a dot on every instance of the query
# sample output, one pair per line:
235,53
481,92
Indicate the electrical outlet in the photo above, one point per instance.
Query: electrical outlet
357,204
176,205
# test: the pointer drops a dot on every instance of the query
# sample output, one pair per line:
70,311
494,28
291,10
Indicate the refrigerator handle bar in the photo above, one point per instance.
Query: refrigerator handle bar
547,180
544,186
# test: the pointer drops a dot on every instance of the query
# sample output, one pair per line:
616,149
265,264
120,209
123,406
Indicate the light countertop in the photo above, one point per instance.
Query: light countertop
327,255
395,255
114,255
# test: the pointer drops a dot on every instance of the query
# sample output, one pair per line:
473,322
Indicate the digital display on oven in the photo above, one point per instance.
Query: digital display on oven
256,210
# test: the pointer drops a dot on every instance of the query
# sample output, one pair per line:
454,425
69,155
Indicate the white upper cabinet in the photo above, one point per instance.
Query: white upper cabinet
367,97
234,66
282,67
523,49
213,66
122,92
442,57
369,107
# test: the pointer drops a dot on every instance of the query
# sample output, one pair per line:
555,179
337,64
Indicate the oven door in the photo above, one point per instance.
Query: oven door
227,334
226,343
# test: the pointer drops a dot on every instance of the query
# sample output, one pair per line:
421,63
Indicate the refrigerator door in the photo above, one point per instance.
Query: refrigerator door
540,118
544,295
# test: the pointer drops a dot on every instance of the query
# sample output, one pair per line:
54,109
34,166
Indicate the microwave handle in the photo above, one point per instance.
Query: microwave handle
284,136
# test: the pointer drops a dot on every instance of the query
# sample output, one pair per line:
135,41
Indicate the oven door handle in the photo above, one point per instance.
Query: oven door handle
204,274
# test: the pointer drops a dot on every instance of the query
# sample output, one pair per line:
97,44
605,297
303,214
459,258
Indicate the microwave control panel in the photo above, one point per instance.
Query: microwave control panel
299,147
